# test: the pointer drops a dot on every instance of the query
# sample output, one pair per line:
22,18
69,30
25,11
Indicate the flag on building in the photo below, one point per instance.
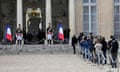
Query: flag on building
60,32
8,34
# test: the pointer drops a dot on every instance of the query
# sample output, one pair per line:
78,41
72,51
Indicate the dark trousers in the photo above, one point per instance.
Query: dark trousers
114,59
49,41
19,42
104,53
74,49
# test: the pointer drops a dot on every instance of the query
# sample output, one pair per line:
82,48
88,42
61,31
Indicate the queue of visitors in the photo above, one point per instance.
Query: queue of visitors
97,50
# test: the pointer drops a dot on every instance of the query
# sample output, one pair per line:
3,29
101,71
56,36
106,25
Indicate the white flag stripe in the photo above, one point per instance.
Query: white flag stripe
61,30
8,31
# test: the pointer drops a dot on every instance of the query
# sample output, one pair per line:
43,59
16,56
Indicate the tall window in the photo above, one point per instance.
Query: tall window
117,18
89,16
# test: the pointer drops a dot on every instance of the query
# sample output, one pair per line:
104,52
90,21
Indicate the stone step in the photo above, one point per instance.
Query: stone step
39,49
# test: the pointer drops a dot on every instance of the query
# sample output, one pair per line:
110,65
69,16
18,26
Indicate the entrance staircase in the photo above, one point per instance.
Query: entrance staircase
38,49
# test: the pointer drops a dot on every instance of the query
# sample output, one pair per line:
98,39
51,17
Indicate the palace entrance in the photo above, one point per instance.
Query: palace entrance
34,21
34,16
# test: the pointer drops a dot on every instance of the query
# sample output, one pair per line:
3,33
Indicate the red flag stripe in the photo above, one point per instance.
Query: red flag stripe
61,36
9,37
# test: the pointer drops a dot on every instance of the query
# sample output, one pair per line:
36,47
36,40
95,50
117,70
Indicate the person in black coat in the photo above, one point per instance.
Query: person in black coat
104,48
74,42
80,36
114,51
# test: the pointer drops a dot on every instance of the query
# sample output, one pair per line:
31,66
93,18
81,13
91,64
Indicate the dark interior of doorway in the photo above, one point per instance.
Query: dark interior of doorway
60,13
30,37
7,16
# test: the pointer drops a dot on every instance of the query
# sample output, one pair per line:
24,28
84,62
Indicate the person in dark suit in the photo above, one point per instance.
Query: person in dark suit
74,42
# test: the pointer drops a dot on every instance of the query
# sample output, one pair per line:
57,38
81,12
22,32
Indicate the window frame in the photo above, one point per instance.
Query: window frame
91,27
117,20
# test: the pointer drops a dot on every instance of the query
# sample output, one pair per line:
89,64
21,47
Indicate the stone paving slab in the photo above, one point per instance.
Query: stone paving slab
47,63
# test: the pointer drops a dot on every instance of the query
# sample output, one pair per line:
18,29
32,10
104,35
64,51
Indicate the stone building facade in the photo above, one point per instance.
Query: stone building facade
102,17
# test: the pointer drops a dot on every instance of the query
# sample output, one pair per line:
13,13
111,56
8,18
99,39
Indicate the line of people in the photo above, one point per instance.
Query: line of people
96,49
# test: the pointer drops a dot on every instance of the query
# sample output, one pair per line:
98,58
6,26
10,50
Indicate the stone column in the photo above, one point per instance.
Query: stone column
72,18
19,13
48,14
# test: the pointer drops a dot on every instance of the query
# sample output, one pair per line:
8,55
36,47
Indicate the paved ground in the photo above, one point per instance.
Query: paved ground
47,63
43,58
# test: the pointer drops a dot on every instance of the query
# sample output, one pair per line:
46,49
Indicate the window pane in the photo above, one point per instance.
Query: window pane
116,26
86,27
117,30
117,34
93,9
85,1
86,18
116,9
93,1
119,18
93,18
93,27
116,18
116,1
86,10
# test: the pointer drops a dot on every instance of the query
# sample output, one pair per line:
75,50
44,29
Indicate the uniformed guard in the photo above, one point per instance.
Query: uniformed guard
19,38
49,33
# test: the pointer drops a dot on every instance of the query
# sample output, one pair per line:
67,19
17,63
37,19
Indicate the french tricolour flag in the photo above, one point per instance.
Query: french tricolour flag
8,34
60,32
